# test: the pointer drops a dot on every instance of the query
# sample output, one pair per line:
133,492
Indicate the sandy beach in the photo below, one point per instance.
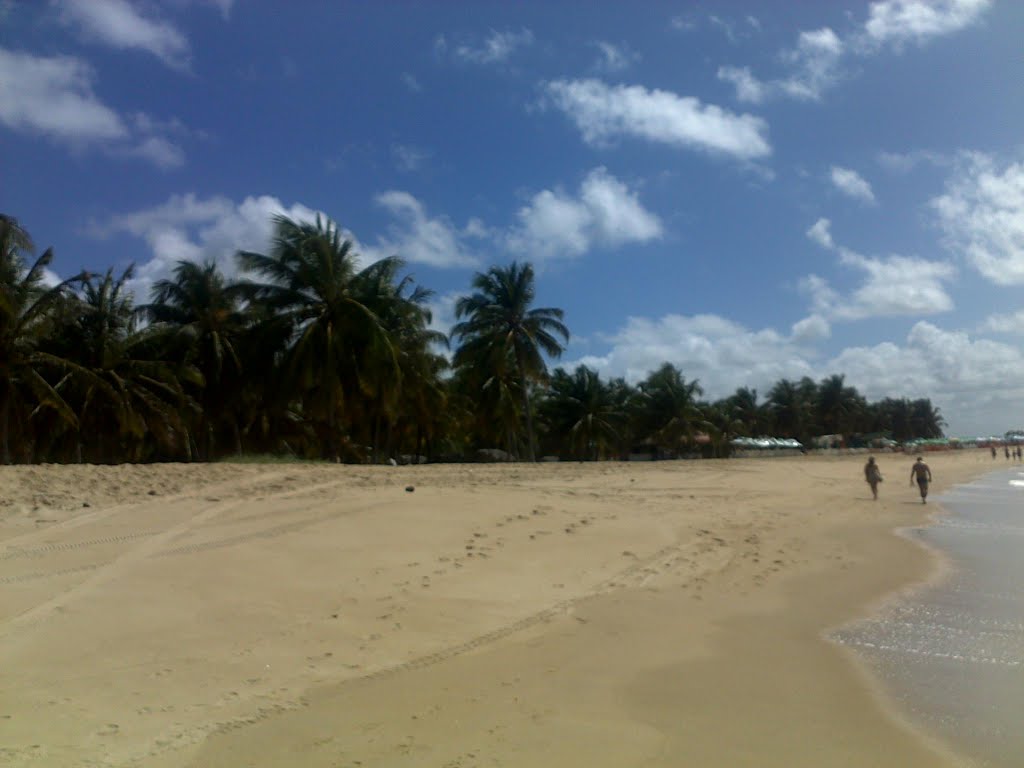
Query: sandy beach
661,614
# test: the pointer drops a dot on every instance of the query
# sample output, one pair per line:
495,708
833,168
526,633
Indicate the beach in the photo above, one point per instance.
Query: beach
600,614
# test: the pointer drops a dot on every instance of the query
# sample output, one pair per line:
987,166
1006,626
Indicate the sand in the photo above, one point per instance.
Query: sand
661,614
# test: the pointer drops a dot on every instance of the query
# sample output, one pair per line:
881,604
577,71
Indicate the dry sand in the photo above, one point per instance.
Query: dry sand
667,614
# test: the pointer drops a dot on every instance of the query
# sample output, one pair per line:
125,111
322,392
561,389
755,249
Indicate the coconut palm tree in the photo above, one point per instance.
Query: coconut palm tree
200,316
671,411
125,395
840,408
582,410
26,309
499,330
340,345
792,407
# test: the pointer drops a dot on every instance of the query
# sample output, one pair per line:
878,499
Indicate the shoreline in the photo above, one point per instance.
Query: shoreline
615,614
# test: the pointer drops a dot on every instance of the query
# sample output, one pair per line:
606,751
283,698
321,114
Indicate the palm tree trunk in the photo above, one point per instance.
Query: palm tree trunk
527,409
5,418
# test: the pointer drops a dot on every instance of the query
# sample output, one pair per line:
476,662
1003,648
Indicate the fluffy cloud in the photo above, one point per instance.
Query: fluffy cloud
978,383
813,65
418,238
1012,323
852,184
604,214
53,97
722,354
194,229
897,22
813,68
812,328
119,24
495,49
892,286
982,215
604,112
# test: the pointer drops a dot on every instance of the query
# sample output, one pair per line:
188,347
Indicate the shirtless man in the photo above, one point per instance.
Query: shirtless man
923,475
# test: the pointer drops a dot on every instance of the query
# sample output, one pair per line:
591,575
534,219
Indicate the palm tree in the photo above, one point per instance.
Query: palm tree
926,419
792,407
401,307
340,345
743,408
583,411
671,411
26,308
498,329
126,391
200,315
840,408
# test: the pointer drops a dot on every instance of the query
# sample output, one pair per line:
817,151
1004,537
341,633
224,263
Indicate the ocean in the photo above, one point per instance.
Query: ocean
951,653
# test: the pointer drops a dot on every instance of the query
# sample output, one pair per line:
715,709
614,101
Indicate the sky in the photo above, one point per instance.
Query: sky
748,190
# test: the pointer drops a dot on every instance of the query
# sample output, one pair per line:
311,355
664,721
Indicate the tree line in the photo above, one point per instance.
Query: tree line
312,355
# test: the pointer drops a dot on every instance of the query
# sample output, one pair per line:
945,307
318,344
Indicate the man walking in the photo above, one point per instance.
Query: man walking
923,475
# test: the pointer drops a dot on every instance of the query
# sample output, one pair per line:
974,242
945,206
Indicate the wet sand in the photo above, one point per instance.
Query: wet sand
603,614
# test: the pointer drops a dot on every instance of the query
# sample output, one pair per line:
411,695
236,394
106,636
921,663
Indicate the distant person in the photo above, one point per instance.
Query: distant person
923,475
873,475
1007,451
993,451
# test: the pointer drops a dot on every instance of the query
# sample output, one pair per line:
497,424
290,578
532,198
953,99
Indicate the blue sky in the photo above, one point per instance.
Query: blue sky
748,190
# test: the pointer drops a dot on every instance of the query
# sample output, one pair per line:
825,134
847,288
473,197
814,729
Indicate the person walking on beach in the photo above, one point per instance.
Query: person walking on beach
873,475
923,475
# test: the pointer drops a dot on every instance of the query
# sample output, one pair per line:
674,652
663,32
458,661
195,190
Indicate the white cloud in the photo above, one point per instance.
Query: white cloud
897,22
978,383
495,49
603,112
53,96
119,24
418,238
812,328
194,229
159,151
895,285
442,311
605,214
614,58
813,66
748,88
852,184
1012,323
982,215
722,354
821,233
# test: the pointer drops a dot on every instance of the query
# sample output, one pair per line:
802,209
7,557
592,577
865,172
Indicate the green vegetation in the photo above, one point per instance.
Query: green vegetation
310,357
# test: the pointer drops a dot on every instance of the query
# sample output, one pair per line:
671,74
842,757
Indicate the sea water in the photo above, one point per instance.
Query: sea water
952,653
